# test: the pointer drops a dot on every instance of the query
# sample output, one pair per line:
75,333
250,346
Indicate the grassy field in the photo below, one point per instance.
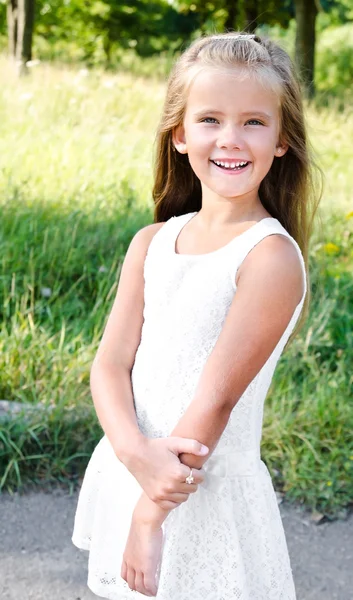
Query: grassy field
75,179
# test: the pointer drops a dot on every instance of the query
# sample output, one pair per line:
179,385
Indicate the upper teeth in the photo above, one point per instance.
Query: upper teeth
230,165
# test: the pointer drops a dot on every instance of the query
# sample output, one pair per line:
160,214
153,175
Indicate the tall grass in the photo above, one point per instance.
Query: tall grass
75,181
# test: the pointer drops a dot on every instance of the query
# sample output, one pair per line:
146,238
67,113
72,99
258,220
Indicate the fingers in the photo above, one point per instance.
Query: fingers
179,445
178,481
123,572
145,584
180,490
177,490
138,581
150,584
168,504
171,504
189,488
130,579
198,475
140,584
179,497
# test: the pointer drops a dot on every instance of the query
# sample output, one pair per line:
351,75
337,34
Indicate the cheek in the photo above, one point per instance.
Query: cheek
264,145
198,138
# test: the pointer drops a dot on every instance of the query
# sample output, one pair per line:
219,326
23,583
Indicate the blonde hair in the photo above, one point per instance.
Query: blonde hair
289,191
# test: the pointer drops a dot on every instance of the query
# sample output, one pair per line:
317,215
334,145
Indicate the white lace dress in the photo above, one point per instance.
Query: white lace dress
227,541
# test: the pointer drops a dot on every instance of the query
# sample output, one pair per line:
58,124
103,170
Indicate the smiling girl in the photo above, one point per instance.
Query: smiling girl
176,502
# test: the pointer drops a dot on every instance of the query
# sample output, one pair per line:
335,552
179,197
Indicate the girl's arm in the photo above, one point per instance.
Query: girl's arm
269,287
110,373
113,395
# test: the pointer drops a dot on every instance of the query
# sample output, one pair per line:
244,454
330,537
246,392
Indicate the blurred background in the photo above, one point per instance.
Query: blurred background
81,90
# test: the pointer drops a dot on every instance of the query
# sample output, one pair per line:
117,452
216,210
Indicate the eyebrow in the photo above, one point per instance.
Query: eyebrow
258,113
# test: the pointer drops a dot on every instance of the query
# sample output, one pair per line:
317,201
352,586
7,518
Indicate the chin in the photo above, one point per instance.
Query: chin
231,193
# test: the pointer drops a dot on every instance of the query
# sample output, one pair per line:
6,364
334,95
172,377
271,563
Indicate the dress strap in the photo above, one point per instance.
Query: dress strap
255,235
163,242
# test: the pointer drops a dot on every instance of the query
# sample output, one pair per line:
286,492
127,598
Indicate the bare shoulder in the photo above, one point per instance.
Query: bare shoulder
142,239
276,260
151,230
145,235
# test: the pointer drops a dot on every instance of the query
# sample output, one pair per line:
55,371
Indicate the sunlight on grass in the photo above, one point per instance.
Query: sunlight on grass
78,132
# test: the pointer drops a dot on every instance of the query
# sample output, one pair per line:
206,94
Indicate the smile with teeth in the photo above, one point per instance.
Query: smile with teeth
235,166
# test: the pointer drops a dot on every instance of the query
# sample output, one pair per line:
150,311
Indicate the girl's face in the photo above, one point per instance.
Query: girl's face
230,133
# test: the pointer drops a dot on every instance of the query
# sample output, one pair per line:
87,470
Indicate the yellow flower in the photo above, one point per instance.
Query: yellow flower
329,483
350,215
331,248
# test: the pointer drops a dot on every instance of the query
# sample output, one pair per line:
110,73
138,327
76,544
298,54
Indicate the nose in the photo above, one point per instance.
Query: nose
230,137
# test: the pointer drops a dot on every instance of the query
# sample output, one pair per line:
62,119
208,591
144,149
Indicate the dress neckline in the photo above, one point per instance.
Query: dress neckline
188,218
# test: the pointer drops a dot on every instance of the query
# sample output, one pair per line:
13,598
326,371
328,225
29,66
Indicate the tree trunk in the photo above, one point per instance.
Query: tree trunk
251,15
25,32
305,14
231,7
107,47
12,24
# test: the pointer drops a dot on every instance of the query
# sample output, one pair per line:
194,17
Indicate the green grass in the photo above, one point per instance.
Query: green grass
309,419
75,181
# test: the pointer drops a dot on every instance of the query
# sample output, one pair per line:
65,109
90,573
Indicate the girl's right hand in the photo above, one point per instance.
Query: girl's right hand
157,468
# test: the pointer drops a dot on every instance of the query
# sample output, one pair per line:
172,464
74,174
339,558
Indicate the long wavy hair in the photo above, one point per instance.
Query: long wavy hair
290,192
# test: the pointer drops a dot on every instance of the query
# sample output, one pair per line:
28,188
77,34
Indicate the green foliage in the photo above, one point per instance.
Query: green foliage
98,28
337,12
2,17
214,14
334,72
47,445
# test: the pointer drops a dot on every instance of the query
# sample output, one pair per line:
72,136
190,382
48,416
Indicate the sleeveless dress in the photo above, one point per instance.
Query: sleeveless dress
227,541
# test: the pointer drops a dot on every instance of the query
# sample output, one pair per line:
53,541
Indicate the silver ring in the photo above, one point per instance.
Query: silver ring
190,478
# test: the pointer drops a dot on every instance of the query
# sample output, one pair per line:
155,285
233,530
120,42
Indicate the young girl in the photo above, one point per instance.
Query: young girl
176,502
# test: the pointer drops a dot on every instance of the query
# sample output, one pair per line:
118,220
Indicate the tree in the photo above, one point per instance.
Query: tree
20,23
12,26
251,15
305,14
232,8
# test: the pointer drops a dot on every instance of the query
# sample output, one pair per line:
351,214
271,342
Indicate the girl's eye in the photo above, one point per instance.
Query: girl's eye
213,120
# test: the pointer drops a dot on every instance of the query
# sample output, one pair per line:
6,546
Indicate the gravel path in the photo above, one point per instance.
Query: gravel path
39,562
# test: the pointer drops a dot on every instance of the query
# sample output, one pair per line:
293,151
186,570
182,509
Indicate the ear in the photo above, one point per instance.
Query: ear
179,141
281,149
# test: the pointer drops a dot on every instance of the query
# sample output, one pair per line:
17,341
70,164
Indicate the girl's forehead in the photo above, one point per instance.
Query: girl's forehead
233,87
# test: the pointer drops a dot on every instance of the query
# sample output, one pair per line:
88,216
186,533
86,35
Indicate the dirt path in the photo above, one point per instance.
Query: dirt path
39,562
